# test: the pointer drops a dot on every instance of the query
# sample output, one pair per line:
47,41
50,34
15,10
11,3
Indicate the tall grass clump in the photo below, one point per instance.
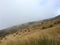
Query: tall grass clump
34,41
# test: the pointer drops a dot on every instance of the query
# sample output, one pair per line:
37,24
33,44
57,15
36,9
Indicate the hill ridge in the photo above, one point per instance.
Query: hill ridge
45,32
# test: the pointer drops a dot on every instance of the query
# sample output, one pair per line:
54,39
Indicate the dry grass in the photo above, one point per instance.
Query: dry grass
49,36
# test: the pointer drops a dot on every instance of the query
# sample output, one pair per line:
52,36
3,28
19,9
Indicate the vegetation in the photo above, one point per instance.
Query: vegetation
46,32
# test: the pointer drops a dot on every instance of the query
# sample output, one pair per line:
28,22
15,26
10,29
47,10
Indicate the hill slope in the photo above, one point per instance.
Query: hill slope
46,32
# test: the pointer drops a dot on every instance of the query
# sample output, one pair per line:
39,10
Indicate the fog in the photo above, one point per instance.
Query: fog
14,12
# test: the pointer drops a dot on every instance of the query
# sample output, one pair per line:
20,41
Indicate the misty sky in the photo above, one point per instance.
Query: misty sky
13,12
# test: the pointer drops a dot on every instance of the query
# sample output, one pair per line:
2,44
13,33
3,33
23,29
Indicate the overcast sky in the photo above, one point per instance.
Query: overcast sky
13,12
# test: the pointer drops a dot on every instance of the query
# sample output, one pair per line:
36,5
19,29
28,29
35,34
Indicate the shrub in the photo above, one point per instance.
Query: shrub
28,30
16,33
50,26
43,27
58,22
5,38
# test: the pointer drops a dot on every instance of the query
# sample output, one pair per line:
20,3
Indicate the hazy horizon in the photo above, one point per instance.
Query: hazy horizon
14,12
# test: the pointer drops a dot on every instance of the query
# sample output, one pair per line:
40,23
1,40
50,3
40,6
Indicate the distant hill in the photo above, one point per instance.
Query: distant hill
45,32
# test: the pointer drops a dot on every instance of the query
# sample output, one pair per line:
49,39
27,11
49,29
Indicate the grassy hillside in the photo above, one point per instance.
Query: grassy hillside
46,32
